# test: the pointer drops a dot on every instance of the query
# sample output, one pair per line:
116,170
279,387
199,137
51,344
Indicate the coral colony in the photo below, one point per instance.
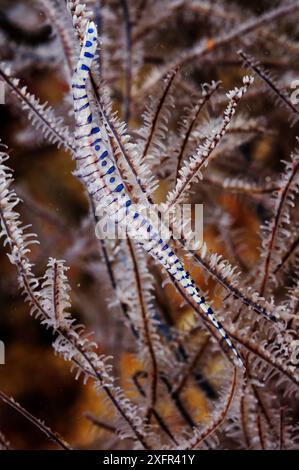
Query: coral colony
217,350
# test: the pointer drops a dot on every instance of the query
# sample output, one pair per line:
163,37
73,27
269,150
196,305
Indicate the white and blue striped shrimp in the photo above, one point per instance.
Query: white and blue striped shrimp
96,167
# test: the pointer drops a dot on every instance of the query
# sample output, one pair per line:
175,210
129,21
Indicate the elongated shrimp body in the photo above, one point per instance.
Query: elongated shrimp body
96,167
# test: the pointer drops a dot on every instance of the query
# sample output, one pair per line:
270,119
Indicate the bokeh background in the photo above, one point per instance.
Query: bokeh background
55,205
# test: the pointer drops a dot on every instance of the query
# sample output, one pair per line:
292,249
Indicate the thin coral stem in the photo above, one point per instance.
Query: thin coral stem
243,414
35,421
265,76
206,97
159,108
282,198
128,58
35,302
190,367
101,424
260,431
146,327
222,415
63,138
291,250
152,411
207,47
